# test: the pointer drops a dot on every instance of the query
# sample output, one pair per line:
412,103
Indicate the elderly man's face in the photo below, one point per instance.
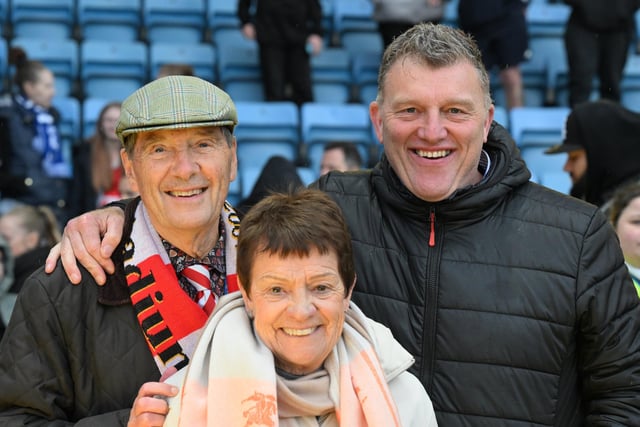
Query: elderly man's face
299,305
182,176
432,123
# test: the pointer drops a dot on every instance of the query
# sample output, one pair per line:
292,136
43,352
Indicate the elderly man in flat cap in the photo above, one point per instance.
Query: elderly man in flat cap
81,354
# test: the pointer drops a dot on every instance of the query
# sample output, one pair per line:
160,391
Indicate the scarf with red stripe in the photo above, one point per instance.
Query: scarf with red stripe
170,320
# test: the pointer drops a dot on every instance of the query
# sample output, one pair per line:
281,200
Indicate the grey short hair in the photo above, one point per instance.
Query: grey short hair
437,46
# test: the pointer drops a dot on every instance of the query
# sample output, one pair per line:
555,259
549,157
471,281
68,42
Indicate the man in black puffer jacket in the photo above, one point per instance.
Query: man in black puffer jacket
514,299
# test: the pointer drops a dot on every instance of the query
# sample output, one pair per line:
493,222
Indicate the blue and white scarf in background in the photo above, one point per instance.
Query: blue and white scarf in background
55,162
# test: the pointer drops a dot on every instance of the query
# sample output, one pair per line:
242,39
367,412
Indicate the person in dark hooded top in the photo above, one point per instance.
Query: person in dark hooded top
609,134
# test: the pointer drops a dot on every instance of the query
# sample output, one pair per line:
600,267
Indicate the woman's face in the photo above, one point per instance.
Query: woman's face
41,91
628,230
20,241
299,305
109,122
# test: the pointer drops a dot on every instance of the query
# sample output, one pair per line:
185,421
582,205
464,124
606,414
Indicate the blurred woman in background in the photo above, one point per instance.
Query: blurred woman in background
625,217
30,231
35,163
98,168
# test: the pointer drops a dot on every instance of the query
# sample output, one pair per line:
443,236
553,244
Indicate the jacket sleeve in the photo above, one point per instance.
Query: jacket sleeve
243,11
37,387
608,325
315,17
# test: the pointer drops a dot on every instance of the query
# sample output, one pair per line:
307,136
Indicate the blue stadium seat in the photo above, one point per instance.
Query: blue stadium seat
331,75
450,13
91,108
537,126
268,121
547,19
69,109
238,61
4,66
630,85
535,81
112,69
248,176
109,19
328,7
222,15
245,90
235,191
43,18
307,175
180,21
266,129
553,52
325,122
363,41
59,55
364,74
501,115
201,56
353,15
229,36
557,180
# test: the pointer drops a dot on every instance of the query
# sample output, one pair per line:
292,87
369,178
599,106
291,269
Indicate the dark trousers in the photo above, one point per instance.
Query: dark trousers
286,64
591,54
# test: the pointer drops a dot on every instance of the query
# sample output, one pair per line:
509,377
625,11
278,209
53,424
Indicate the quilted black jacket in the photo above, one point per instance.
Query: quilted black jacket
72,355
514,299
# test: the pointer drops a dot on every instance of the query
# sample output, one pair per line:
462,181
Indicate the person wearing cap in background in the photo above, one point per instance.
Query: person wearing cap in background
92,355
603,147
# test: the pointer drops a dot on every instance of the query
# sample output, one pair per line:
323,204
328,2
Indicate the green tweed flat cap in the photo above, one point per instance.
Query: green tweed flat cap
175,102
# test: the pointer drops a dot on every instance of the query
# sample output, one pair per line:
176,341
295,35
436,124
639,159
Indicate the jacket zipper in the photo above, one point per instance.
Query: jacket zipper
430,314
432,228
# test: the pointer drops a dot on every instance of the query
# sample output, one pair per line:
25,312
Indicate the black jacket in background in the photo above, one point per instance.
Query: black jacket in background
283,22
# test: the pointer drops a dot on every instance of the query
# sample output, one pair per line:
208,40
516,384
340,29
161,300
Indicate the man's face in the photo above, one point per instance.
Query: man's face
182,176
576,164
333,160
432,123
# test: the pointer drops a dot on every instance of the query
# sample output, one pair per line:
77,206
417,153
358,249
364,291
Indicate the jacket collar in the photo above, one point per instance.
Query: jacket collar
116,291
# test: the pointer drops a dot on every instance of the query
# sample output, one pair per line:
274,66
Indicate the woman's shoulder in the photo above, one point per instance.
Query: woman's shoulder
413,403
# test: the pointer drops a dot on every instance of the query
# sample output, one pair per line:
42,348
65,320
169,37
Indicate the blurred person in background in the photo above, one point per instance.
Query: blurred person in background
601,139
341,156
35,163
7,299
597,40
625,218
30,231
500,29
394,17
97,165
288,32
